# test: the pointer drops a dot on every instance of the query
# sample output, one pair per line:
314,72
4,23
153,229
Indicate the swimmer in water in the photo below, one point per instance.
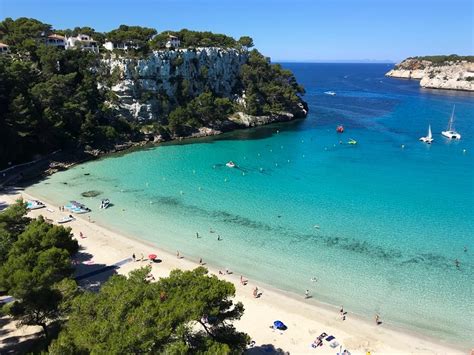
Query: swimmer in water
314,279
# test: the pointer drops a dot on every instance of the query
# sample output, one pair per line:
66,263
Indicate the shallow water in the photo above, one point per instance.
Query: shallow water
378,225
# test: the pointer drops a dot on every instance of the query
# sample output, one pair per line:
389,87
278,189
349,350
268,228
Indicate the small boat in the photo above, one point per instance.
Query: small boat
230,164
66,219
332,93
352,141
34,205
104,203
77,207
429,138
450,133
340,129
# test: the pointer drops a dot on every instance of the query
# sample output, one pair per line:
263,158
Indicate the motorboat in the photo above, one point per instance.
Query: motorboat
66,219
331,93
352,141
104,203
77,207
340,129
429,138
34,205
230,164
450,133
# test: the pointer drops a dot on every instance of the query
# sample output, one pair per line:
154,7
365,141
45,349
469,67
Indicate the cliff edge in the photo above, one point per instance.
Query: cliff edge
438,72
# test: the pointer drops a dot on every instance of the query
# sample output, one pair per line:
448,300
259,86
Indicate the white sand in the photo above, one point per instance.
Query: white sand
305,319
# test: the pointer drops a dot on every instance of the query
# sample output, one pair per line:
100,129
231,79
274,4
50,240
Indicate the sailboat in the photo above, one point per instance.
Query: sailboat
450,132
429,138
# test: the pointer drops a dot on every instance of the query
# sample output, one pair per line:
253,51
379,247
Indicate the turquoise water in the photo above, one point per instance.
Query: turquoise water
391,220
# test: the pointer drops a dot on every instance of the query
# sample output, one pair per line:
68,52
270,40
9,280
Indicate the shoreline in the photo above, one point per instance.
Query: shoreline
306,319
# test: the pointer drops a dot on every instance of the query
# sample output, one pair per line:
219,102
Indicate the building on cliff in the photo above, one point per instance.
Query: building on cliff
83,42
124,46
173,42
4,48
55,40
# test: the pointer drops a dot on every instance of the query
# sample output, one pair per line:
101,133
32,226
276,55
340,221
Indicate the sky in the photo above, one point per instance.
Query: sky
285,30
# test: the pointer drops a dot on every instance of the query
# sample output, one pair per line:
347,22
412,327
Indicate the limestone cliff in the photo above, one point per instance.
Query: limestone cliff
450,75
145,88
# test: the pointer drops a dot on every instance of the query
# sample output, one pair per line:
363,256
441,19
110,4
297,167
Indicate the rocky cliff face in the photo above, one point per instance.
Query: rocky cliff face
447,75
144,86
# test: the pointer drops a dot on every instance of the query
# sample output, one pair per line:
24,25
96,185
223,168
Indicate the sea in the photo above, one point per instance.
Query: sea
375,226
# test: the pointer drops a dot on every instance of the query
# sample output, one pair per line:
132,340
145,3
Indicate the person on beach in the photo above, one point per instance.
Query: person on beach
89,218
221,273
81,235
255,292
133,257
306,294
377,319
177,254
341,311
218,237
200,261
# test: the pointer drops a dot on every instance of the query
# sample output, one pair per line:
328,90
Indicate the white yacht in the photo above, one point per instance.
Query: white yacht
332,93
34,205
230,164
429,138
450,132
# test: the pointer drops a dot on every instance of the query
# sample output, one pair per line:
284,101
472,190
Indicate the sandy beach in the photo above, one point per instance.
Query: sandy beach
306,319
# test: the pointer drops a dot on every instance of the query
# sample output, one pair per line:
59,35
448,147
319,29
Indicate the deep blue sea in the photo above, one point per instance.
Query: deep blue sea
379,223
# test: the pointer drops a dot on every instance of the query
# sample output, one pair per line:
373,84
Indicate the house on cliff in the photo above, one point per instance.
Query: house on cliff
124,46
4,48
55,40
173,42
84,42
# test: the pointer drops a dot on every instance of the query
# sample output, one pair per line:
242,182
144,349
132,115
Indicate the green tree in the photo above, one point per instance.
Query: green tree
131,315
246,41
13,222
34,272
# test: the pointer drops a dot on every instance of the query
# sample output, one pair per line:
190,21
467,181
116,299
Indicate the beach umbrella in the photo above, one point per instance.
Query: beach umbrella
279,325
152,256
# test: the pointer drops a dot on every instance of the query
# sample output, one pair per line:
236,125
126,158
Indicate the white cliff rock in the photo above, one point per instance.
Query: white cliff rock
144,85
458,75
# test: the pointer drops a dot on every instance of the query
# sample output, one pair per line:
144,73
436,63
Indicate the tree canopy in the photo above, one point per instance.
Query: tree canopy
188,311
13,222
37,270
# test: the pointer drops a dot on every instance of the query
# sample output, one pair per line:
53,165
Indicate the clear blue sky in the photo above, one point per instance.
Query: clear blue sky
294,30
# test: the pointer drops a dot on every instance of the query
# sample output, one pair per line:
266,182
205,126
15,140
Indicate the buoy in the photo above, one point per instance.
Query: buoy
288,160
258,154
403,146
181,192
464,151
194,171
261,169
276,164
243,174
303,155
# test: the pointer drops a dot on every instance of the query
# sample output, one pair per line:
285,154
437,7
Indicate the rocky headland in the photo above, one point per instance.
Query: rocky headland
438,72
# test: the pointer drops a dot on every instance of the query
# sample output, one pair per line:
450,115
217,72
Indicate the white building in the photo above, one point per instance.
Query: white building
55,40
84,42
110,46
173,42
4,48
